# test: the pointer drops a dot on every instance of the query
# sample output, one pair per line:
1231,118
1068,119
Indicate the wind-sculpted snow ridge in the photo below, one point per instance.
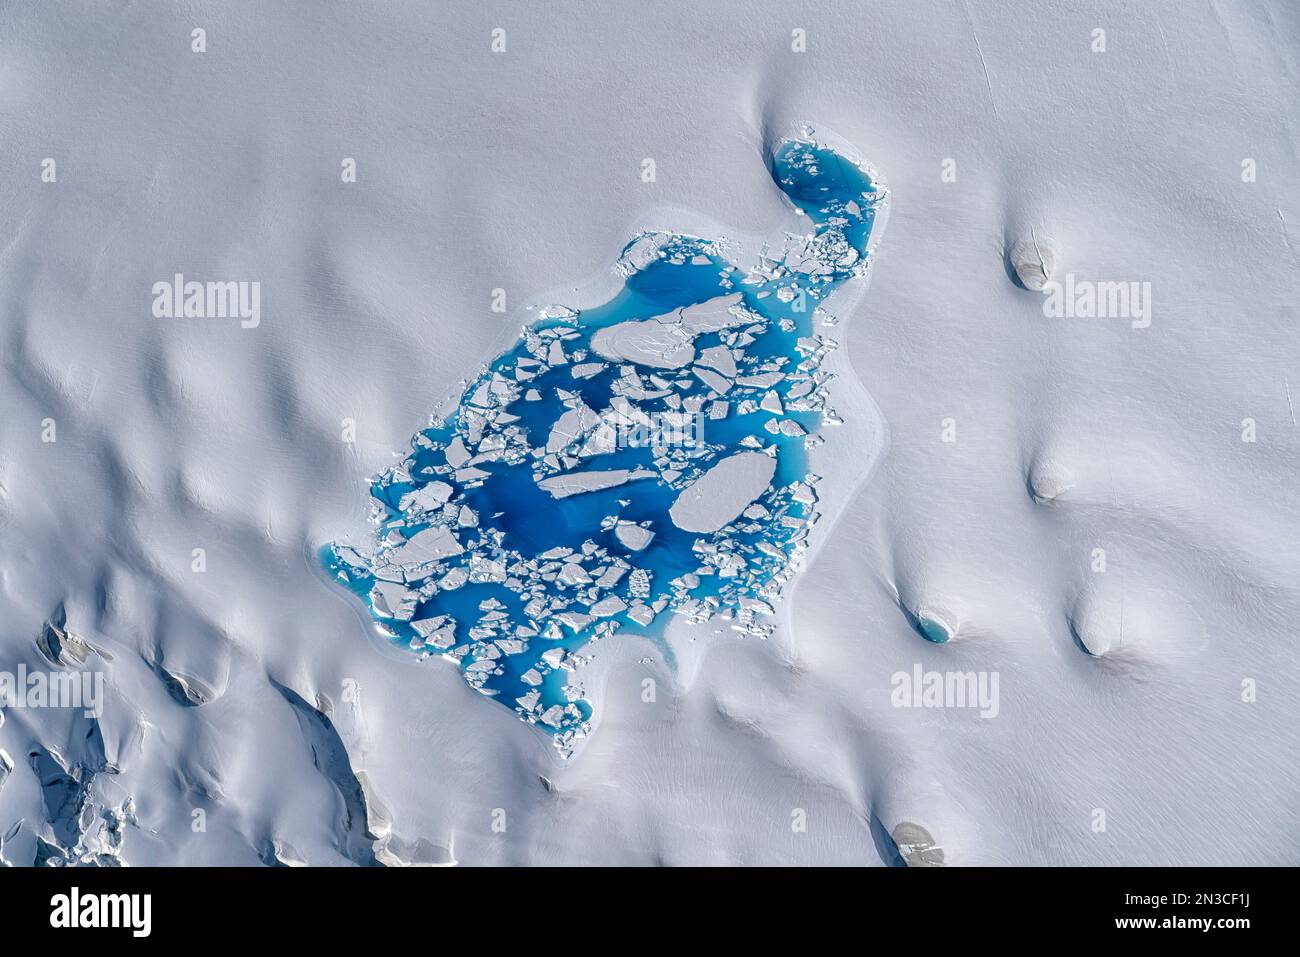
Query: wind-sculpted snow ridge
622,464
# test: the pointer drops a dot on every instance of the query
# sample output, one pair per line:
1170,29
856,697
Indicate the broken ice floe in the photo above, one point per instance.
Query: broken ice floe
641,459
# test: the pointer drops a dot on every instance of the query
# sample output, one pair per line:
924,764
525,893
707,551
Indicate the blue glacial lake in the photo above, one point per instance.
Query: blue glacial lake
624,464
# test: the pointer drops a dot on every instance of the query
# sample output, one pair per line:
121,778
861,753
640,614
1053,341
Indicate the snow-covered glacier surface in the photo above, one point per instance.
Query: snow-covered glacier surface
969,568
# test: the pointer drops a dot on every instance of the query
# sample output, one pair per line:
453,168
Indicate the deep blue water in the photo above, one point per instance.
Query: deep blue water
505,615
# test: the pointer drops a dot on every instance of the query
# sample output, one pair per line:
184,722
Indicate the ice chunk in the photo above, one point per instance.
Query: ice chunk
717,383
575,483
572,425
456,453
719,358
429,545
632,536
645,342
426,498
723,492
608,607
642,614
712,315
393,600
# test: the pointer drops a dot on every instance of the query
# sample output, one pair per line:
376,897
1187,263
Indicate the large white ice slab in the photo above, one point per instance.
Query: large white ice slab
723,492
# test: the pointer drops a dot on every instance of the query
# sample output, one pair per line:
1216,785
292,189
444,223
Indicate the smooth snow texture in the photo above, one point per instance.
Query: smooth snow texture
521,171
